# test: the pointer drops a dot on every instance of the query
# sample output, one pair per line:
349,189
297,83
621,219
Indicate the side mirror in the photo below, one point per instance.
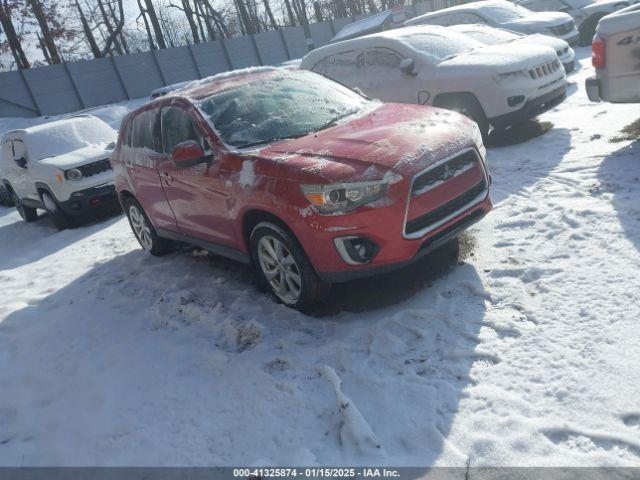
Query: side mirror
21,162
187,154
408,66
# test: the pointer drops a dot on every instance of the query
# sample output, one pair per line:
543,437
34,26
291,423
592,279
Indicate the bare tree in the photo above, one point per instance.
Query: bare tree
14,40
47,40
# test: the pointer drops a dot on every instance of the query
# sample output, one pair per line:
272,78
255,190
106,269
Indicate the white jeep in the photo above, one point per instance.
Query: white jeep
62,167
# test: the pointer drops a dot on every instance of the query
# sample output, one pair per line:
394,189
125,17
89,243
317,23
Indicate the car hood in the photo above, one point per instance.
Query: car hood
502,58
539,20
604,6
393,139
539,39
79,157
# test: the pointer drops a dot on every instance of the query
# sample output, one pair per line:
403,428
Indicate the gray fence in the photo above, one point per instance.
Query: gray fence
83,84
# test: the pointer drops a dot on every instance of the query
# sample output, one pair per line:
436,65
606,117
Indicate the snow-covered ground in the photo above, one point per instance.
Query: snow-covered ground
526,353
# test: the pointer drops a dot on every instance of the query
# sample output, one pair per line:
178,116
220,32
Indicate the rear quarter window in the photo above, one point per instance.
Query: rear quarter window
145,131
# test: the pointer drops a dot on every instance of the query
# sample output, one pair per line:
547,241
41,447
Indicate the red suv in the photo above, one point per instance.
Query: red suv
305,179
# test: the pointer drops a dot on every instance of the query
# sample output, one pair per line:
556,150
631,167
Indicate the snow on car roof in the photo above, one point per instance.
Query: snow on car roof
485,33
421,38
363,26
477,6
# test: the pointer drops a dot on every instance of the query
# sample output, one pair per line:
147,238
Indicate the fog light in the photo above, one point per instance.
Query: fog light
513,101
356,250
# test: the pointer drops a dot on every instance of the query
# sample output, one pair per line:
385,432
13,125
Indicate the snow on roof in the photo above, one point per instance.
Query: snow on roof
364,26
62,136
479,6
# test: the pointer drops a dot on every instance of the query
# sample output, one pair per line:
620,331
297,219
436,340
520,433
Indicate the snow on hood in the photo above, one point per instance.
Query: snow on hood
397,138
78,157
540,20
540,39
503,58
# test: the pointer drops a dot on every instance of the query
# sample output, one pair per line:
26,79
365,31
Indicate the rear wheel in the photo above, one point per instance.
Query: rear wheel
143,229
5,196
28,214
58,217
284,269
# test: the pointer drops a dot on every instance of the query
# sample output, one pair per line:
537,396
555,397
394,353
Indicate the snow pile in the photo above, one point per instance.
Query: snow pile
356,436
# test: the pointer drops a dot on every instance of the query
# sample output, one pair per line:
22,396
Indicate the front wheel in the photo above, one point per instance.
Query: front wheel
58,217
5,196
470,108
284,269
143,229
28,214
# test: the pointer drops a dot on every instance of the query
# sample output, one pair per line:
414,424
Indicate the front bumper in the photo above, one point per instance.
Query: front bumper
592,85
530,109
451,231
91,201
569,66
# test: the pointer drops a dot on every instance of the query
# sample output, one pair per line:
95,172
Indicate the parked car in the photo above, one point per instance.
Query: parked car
300,176
159,92
616,58
61,167
496,36
586,13
498,85
503,14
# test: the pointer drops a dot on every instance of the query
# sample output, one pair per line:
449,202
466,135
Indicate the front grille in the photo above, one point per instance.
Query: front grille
562,29
95,167
441,173
545,69
443,211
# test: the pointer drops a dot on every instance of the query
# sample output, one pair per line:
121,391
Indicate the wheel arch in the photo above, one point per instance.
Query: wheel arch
254,216
443,98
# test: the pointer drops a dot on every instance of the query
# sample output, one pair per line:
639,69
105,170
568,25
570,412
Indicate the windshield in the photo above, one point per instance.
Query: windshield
493,36
507,13
68,135
439,45
278,107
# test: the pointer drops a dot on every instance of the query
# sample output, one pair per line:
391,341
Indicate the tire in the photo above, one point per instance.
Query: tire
58,217
5,196
143,229
283,268
588,30
469,107
28,214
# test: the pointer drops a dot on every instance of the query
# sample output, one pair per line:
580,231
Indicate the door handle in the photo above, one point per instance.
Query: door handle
166,177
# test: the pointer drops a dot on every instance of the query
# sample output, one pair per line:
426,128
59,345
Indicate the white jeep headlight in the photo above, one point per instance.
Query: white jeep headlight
344,197
73,174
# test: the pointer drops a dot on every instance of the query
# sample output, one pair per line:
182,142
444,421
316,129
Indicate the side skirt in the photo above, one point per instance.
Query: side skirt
215,248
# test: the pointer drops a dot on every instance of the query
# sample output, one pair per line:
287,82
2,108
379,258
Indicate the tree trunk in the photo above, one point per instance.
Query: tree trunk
143,13
153,18
292,17
47,38
110,28
188,12
317,11
86,28
12,37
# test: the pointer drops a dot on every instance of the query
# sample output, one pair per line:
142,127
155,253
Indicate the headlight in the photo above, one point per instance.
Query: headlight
73,174
344,197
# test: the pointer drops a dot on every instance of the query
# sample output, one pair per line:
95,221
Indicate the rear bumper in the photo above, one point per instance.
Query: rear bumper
90,201
433,242
592,85
532,108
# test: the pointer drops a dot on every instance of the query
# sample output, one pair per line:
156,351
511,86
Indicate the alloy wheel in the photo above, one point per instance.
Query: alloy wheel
280,269
140,227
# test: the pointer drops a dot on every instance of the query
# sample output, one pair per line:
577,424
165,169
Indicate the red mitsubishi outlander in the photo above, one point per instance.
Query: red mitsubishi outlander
300,176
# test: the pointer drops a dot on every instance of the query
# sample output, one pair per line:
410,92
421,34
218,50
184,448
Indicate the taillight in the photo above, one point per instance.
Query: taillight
598,55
